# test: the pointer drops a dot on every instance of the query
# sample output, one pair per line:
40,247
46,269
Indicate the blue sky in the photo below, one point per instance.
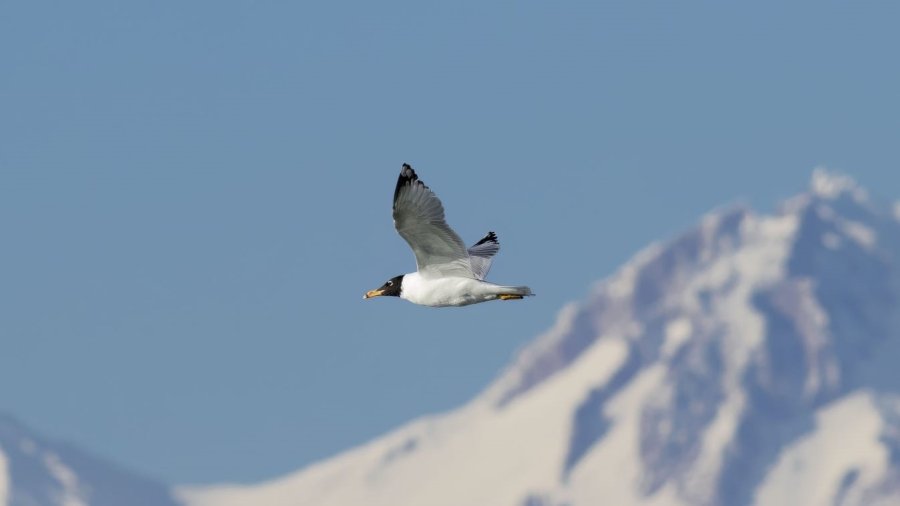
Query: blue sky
195,196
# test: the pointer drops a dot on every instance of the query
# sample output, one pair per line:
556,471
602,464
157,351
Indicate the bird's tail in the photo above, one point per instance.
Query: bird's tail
514,292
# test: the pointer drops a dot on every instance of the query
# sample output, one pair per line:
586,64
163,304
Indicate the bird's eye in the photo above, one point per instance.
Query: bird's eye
389,283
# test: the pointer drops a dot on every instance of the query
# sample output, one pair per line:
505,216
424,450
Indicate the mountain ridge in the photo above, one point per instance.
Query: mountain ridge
38,471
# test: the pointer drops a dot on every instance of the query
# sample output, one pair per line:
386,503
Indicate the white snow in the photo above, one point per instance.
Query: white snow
823,373
831,240
5,482
678,332
825,212
863,235
858,232
71,493
610,472
758,263
845,439
829,184
513,375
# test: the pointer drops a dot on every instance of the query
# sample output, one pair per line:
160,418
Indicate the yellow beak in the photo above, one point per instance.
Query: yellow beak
373,293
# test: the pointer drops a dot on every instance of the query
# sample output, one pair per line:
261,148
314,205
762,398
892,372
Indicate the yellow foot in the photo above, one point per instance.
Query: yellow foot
511,297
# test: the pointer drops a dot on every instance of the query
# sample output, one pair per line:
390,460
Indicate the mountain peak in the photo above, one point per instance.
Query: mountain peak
830,184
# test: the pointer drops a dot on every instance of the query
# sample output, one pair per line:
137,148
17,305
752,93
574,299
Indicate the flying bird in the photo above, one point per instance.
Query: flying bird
447,273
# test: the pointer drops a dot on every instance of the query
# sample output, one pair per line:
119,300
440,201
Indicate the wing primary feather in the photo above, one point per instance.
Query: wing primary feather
481,254
419,219
490,237
408,177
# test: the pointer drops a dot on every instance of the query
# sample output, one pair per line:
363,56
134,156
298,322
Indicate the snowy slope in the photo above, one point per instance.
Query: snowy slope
4,480
750,361
36,472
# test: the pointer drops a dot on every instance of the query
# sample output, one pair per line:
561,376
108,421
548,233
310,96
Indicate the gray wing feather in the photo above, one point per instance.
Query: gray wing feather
481,255
419,219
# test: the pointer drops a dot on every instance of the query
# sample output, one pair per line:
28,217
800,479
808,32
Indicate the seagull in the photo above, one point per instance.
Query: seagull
448,273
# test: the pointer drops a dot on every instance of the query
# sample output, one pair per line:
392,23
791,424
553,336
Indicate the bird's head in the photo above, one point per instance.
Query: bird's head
390,288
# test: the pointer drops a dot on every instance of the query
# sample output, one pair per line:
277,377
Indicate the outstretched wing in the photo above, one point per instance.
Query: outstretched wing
481,254
419,219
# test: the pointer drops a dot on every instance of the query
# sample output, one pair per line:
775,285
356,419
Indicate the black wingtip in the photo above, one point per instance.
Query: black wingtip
408,176
407,173
490,237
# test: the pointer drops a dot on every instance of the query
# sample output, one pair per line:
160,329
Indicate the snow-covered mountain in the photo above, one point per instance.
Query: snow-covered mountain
751,361
38,472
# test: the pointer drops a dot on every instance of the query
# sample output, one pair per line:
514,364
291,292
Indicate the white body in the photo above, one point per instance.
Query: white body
452,291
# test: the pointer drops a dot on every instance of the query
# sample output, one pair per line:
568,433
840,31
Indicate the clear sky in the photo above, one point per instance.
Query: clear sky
195,195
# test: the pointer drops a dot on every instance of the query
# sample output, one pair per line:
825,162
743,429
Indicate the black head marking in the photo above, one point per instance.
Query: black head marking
392,287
